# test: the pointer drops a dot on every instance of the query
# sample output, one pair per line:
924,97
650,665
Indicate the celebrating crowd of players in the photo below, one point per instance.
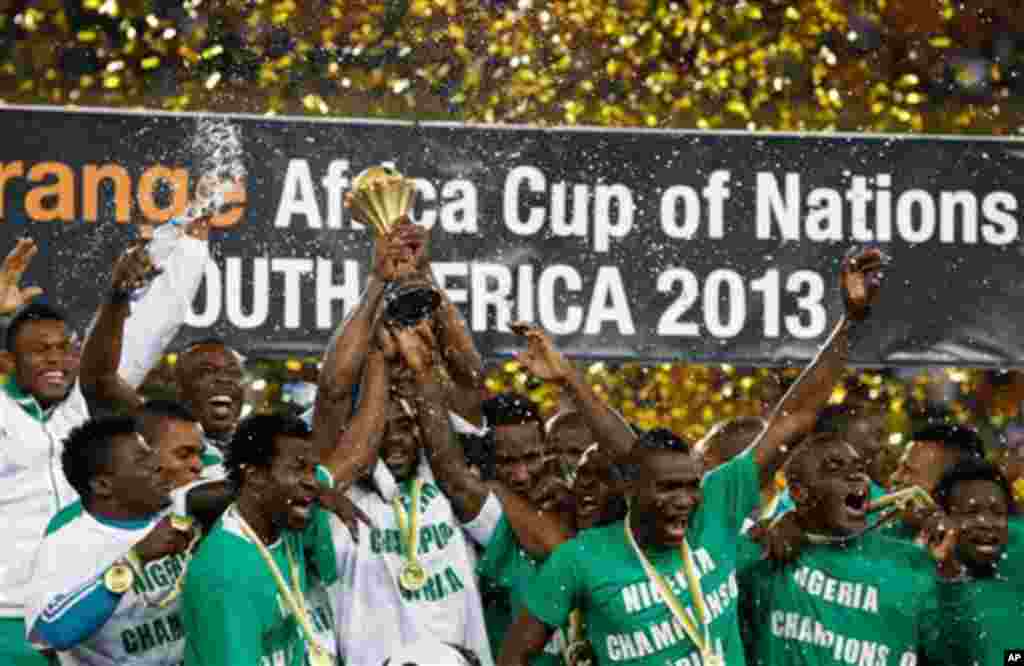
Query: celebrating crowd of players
406,519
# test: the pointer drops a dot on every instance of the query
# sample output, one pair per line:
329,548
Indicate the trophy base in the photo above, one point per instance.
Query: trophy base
406,306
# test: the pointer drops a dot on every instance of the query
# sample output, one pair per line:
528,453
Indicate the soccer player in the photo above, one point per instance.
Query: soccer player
568,436
105,580
246,592
932,452
851,596
682,525
413,576
983,602
864,431
176,437
209,374
39,405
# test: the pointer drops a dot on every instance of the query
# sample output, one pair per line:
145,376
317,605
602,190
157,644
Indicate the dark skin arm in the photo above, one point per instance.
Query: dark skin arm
345,357
525,639
794,415
537,531
465,491
344,361
545,362
462,359
355,450
101,353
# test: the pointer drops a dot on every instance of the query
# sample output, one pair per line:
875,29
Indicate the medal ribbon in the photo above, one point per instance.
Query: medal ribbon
409,522
293,597
703,642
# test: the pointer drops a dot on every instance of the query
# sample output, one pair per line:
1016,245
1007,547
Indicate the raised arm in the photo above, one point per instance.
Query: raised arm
101,352
181,253
355,448
394,256
464,490
345,357
545,362
464,362
795,414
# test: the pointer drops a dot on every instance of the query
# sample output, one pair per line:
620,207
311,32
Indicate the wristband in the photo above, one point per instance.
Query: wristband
324,477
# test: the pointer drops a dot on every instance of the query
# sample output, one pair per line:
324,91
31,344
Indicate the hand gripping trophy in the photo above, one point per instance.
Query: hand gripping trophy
382,198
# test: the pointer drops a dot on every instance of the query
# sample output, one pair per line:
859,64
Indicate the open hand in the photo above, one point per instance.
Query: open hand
12,296
860,279
541,358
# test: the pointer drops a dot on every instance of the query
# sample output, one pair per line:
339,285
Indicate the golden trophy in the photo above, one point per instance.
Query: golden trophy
382,198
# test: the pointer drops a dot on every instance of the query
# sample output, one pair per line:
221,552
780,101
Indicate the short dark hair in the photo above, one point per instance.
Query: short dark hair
29,313
795,469
506,409
567,418
88,450
728,439
208,340
255,445
838,418
153,411
658,439
958,439
970,469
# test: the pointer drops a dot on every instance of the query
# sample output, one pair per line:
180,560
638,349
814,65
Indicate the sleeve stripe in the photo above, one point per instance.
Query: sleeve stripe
60,606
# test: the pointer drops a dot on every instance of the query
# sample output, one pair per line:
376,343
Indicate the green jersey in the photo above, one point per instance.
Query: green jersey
627,622
506,571
232,609
985,613
871,601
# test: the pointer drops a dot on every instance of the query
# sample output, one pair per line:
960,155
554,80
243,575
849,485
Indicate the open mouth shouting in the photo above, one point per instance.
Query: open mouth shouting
984,546
673,528
856,503
222,406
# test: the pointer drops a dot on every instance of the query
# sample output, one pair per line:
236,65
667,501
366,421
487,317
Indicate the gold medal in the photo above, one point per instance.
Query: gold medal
413,576
181,523
119,578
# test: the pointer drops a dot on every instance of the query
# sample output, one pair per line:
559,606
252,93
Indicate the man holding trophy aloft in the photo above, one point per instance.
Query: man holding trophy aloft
411,575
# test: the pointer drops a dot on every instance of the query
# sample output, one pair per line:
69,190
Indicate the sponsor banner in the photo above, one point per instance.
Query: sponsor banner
625,244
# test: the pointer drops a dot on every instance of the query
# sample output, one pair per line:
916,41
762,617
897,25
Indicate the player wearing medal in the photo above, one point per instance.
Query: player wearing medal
865,431
208,372
680,541
979,553
43,401
412,574
932,452
245,598
105,579
246,594
851,595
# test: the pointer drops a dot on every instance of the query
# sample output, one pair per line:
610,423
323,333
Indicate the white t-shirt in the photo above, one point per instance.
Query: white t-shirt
374,614
76,550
